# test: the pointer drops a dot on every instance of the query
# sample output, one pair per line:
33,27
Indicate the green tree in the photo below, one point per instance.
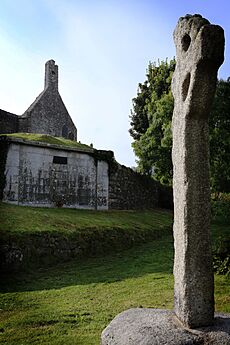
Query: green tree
139,114
151,122
219,134
151,127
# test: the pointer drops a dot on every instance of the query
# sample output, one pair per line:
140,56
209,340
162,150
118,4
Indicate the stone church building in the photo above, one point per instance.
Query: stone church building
46,115
39,173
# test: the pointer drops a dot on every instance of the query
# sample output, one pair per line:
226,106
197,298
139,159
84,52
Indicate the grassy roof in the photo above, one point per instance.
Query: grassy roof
45,138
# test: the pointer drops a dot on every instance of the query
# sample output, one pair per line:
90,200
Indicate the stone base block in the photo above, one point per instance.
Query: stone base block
161,327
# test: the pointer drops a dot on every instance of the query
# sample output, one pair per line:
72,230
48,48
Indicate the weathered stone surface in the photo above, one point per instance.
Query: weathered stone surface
48,114
161,327
8,122
200,52
131,190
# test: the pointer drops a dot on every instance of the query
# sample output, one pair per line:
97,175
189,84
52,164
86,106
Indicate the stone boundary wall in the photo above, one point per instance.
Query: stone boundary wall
8,122
42,249
131,190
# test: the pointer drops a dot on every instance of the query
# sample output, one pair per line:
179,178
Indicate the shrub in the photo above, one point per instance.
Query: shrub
220,207
221,256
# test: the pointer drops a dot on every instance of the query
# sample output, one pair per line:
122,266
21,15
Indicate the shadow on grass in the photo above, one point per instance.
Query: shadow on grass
152,257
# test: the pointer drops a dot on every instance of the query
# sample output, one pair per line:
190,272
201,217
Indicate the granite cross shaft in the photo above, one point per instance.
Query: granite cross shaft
200,52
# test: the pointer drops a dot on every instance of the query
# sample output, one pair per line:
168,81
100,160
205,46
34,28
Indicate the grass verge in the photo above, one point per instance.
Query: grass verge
21,219
71,303
41,236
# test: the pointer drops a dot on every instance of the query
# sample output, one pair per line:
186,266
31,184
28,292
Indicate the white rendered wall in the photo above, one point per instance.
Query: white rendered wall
33,179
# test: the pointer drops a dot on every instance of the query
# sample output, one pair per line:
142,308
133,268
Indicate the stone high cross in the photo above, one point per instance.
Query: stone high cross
200,52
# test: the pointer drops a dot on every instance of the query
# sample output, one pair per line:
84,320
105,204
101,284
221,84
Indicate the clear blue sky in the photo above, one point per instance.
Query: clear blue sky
102,48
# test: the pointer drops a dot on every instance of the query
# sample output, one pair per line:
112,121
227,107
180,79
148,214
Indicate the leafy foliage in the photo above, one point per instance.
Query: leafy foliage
220,210
220,207
139,115
219,124
221,256
151,121
154,146
151,127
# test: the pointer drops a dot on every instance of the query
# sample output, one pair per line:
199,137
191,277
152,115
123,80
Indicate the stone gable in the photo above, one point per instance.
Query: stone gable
46,115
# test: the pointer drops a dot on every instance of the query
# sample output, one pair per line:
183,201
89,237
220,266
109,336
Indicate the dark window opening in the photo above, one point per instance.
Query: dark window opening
59,160
71,136
65,131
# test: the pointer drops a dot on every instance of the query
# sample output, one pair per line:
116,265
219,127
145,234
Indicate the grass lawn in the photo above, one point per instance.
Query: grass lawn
71,303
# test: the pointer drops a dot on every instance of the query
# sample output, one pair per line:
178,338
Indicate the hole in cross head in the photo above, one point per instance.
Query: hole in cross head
186,40
185,86
53,73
